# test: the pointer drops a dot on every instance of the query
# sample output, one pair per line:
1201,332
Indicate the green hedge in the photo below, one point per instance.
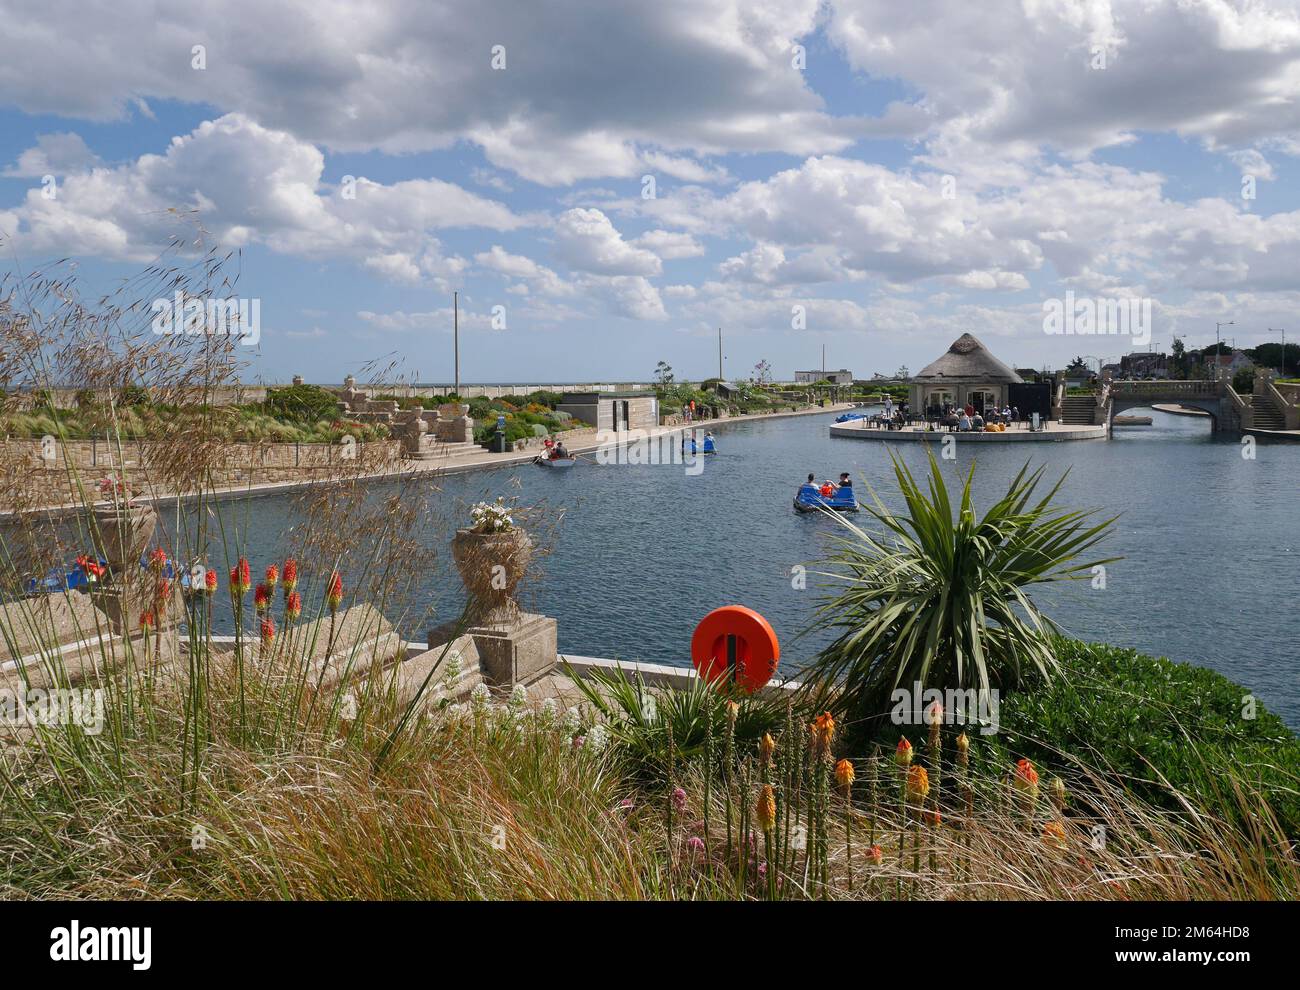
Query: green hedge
1148,718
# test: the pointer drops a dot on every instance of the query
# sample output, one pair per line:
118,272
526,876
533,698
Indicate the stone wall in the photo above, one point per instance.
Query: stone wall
30,470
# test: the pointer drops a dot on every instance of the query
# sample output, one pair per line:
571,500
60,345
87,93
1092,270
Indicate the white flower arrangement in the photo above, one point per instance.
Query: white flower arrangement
550,711
491,517
480,697
518,696
597,737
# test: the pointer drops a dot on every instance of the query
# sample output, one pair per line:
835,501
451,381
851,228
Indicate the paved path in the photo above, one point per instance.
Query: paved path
577,441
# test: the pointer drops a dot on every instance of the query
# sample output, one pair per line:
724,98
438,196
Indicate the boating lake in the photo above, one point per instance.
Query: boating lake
1209,539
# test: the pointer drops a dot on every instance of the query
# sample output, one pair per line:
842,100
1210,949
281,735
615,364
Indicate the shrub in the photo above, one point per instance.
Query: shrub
1163,725
301,403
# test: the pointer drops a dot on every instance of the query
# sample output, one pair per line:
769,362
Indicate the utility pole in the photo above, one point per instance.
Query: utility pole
720,354
455,336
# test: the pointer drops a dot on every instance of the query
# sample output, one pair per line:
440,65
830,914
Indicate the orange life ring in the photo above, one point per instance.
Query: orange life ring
738,644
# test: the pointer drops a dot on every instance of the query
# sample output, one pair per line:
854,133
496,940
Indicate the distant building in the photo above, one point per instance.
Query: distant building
1230,364
616,411
1144,364
841,377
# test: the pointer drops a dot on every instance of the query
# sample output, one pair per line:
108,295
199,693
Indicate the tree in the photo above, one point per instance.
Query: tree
664,373
940,596
1178,362
762,373
902,372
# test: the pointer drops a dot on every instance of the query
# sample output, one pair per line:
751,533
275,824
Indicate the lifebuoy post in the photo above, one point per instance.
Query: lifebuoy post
738,644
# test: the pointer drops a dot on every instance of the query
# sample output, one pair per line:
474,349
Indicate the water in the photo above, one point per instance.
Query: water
1209,542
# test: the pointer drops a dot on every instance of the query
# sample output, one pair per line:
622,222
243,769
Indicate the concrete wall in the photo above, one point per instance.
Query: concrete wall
65,398
27,469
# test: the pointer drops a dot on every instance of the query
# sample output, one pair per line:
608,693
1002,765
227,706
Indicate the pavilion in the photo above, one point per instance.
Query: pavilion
966,374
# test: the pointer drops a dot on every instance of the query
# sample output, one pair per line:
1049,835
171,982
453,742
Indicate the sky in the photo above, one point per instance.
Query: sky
606,184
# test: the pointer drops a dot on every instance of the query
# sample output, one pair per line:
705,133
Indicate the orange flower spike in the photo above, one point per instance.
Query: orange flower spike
766,747
963,749
268,631
272,577
903,754
934,719
262,598
1026,779
1054,835
210,580
334,592
875,855
844,777
290,575
240,578
918,784
293,606
823,732
146,621
765,809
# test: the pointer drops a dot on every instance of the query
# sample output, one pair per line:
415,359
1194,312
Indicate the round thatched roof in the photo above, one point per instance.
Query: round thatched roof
967,358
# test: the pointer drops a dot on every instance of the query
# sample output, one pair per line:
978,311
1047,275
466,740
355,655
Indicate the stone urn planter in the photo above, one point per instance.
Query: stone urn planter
122,533
491,565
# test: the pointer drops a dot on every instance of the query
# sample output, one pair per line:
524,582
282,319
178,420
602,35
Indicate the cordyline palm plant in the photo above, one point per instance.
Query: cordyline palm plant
939,597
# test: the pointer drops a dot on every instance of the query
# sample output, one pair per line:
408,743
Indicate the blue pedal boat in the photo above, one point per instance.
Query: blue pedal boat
810,499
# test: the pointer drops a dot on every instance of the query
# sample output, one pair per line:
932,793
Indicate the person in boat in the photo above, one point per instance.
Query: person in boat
845,481
812,479
560,453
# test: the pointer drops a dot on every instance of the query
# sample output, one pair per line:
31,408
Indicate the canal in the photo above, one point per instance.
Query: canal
640,553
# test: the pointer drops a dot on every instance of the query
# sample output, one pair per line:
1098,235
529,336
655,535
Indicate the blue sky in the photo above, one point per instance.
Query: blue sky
910,173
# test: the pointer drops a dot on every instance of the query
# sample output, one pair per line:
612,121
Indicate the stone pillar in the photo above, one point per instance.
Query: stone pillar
514,646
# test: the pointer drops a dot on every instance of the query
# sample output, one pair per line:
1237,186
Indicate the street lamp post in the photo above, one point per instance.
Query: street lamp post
1217,328
1281,363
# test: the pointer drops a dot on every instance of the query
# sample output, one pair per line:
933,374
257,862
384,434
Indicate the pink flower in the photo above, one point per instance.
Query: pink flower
679,799
695,844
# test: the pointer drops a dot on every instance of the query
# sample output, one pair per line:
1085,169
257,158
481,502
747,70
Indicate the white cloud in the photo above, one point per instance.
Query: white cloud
670,244
587,241
53,154
587,90
248,184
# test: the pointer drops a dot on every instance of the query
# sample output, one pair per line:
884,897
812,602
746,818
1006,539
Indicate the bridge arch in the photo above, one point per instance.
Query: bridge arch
1121,404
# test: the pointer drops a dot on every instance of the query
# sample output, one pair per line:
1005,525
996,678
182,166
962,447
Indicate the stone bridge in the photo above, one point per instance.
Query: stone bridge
1225,407
1264,412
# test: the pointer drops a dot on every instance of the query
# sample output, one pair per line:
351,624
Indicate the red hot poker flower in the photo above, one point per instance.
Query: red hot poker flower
290,575
210,580
268,631
262,598
272,576
241,578
334,592
293,606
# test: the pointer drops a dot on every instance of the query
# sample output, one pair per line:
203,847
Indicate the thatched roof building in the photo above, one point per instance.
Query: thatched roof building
967,360
966,374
